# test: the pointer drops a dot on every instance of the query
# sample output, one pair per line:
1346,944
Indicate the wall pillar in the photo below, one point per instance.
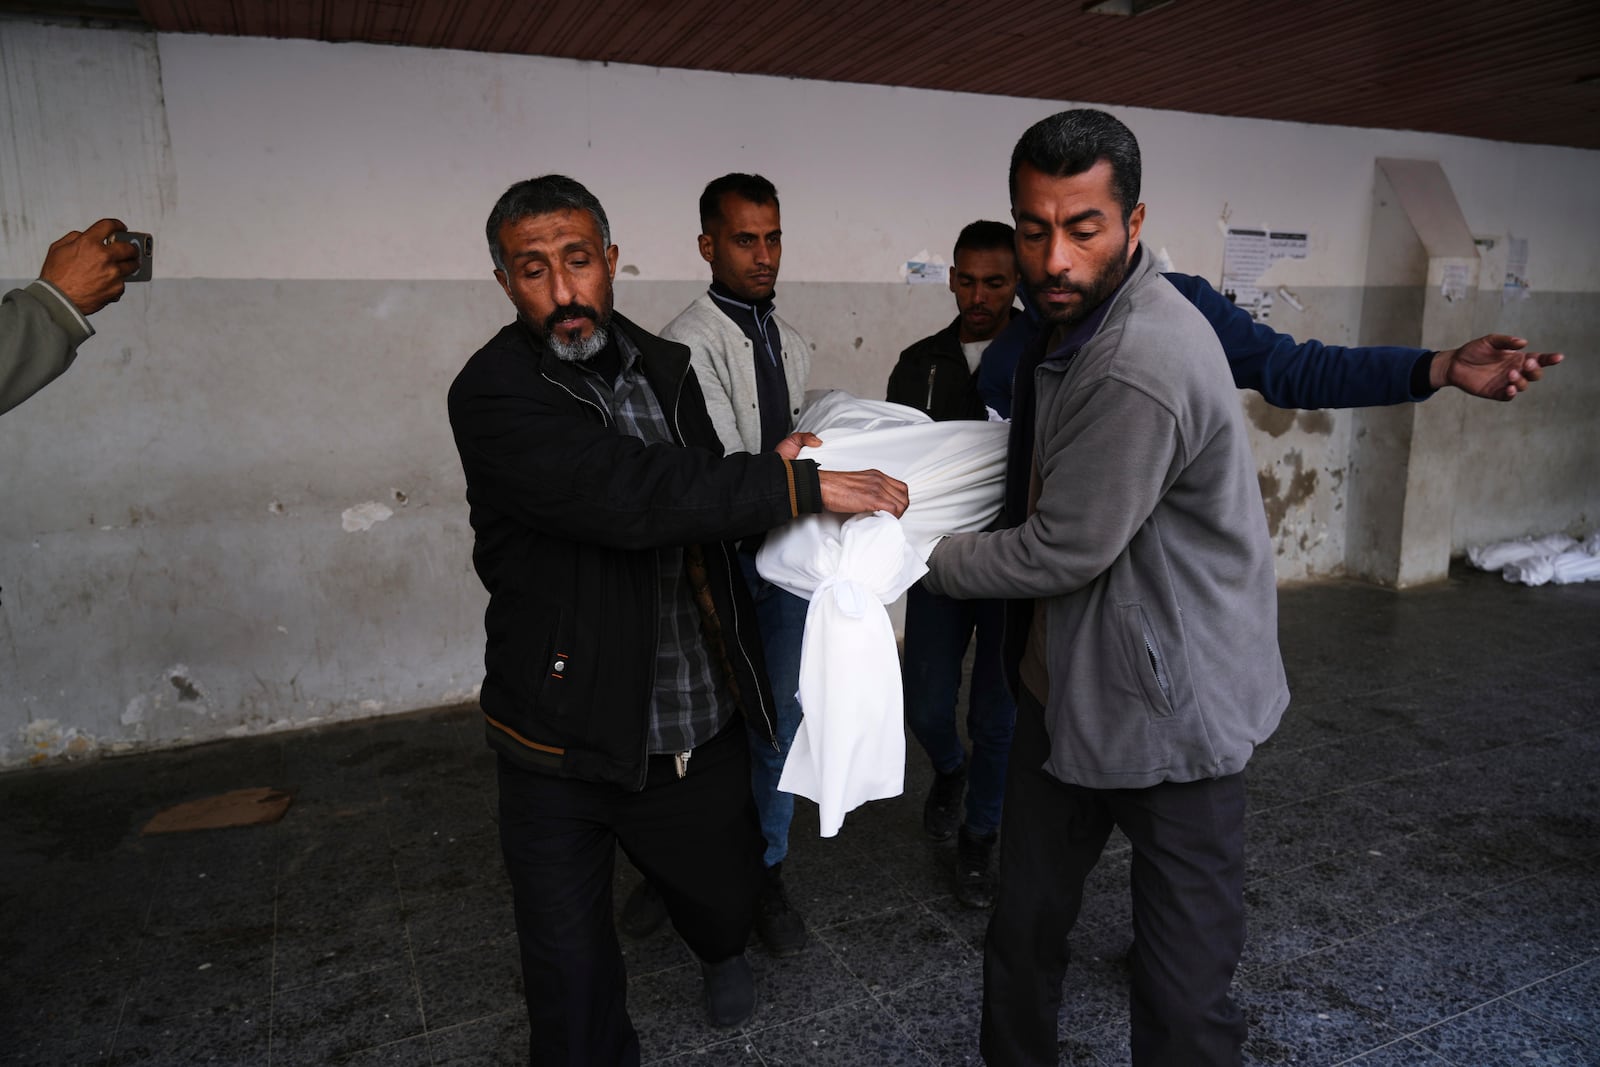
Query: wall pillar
1403,466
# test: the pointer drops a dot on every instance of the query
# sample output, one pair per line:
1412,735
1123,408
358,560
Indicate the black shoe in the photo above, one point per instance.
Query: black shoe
782,931
975,869
730,991
941,812
643,913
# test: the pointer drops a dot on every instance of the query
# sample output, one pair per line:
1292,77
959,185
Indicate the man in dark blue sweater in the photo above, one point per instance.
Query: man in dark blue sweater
1310,375
1287,374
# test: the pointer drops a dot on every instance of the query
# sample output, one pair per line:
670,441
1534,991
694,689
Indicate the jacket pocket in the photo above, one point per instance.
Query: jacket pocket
1146,661
551,665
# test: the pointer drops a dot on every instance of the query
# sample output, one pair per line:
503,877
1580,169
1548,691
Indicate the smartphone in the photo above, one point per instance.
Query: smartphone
147,248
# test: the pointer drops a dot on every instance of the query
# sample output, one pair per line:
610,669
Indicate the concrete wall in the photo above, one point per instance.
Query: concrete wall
194,543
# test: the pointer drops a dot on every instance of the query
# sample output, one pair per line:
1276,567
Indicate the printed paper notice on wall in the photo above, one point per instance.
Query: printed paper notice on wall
1456,281
925,269
1286,245
1246,256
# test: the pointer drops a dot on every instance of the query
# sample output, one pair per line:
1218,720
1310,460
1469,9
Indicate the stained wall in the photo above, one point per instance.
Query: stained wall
242,511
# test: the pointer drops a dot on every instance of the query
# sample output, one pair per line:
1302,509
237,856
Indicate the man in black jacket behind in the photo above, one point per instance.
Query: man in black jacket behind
620,638
939,376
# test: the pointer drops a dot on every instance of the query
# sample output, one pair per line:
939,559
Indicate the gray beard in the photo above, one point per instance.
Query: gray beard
579,351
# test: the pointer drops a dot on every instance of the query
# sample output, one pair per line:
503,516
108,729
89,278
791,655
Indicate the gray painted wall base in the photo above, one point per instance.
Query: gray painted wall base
194,543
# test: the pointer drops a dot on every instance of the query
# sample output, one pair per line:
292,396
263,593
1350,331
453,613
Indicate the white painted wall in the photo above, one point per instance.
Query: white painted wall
322,272
296,159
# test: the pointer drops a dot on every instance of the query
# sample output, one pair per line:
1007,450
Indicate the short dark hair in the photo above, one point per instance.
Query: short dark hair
751,187
1070,142
541,196
984,235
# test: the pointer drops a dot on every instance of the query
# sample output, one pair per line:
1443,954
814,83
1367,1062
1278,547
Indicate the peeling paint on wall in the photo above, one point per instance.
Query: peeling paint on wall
137,708
1319,423
1279,501
45,739
1266,418
188,692
364,516
1277,421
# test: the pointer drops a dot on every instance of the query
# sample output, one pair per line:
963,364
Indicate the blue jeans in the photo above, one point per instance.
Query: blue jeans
781,617
938,629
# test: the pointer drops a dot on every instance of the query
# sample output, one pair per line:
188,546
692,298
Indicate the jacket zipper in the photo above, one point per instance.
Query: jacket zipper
933,371
650,693
644,740
1155,665
736,573
605,416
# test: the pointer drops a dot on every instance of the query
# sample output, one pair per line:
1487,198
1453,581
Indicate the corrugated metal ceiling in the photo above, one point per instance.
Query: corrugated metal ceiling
1512,70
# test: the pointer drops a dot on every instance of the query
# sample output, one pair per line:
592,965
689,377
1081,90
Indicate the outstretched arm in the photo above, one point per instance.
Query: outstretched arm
1314,375
1495,367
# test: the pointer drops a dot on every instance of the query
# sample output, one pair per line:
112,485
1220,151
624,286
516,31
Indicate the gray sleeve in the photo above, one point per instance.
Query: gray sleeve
40,332
1105,468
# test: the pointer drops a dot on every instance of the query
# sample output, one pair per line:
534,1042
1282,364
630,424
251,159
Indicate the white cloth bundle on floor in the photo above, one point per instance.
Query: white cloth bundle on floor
1494,556
850,747
1536,560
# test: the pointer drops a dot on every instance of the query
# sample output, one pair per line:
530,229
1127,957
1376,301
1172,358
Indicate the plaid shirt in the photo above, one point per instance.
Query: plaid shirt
690,703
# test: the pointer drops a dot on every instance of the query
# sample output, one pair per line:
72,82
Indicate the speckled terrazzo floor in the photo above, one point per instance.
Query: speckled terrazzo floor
1424,885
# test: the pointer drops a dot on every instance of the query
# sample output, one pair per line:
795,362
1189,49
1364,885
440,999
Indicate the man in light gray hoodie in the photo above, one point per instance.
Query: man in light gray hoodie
1142,638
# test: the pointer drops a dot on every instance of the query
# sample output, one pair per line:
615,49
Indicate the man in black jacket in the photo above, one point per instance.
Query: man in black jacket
621,644
939,375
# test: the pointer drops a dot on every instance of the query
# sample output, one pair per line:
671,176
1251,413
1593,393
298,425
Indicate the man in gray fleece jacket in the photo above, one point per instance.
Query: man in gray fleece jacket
1142,642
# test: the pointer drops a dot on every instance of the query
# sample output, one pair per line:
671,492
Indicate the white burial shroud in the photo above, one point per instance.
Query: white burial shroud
851,746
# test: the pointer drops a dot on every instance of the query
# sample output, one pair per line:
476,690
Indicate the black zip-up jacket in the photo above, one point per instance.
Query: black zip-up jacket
932,376
568,515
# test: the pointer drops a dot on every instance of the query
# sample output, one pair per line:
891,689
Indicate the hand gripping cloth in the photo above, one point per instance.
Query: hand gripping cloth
851,745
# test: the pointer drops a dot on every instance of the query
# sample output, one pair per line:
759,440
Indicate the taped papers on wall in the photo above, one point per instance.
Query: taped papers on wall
1246,256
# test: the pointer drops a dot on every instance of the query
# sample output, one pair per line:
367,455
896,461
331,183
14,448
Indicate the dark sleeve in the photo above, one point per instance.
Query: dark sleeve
551,466
999,363
1309,375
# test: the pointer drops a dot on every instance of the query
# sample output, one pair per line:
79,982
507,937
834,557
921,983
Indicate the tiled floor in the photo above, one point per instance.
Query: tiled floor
1424,885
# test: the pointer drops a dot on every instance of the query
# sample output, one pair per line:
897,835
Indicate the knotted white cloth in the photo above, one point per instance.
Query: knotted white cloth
850,747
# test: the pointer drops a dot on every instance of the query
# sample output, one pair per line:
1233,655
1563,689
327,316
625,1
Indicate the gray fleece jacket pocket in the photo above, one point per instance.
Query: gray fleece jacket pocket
1146,661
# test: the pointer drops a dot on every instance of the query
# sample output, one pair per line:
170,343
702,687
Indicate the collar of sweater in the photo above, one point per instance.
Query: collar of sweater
732,305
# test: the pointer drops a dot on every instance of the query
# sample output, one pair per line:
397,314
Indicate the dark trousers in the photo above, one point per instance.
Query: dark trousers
938,630
696,839
1188,909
